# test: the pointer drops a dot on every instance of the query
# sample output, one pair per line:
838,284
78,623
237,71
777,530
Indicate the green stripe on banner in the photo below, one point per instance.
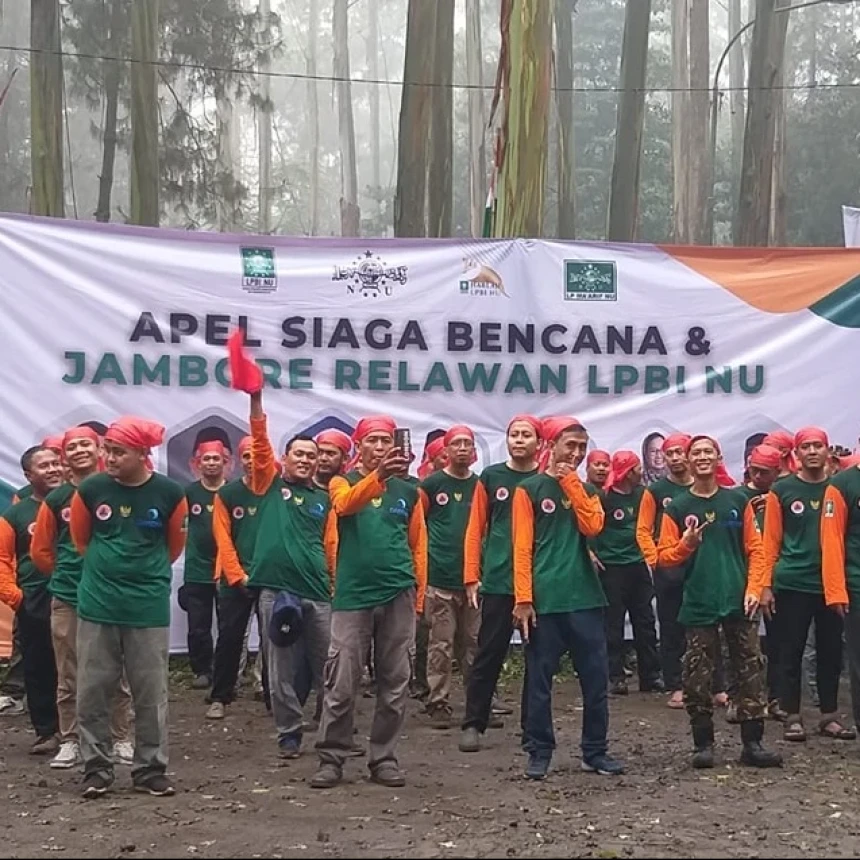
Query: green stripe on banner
842,306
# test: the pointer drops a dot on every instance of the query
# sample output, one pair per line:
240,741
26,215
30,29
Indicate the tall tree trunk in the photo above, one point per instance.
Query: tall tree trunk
698,138
373,71
228,214
441,185
779,203
414,127
477,149
564,10
145,178
46,108
736,83
350,215
314,111
112,73
766,55
264,132
624,194
680,116
526,86
813,22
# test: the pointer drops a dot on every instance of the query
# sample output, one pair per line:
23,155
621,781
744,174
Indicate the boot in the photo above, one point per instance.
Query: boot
754,754
703,742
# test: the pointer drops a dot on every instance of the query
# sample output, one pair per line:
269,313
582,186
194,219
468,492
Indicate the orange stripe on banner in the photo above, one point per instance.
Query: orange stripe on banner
776,280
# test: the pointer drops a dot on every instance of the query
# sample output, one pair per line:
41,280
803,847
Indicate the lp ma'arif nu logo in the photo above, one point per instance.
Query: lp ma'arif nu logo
259,274
590,281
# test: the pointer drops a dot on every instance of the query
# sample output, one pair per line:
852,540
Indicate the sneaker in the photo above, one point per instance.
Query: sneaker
604,764
470,740
216,711
388,774
618,688
123,753
537,767
68,756
11,707
500,708
158,786
47,745
327,776
441,717
289,748
95,785
655,686
201,682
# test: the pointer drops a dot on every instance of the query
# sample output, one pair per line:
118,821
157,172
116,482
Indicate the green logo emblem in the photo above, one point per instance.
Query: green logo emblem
590,281
259,274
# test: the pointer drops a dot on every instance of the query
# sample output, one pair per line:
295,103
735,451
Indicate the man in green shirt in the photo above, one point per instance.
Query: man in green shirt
129,524
199,593
447,497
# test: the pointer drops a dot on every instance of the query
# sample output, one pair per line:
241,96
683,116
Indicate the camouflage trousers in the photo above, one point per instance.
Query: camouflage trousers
746,664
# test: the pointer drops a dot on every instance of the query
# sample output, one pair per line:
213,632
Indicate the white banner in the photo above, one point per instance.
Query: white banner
851,226
636,340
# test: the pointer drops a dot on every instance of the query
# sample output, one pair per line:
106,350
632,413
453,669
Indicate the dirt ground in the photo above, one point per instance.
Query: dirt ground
235,799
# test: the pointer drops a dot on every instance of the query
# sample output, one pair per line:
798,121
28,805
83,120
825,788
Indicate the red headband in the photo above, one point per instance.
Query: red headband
216,446
337,438
551,429
766,457
245,445
536,423
373,424
810,434
55,443
245,374
135,433
780,439
597,454
79,433
849,461
458,430
623,463
676,440
433,449
724,479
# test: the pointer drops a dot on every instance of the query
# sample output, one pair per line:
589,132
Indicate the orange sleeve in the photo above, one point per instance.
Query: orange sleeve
418,545
523,532
80,524
330,545
424,499
772,537
834,522
588,509
347,499
10,594
264,470
227,564
645,520
754,549
177,528
671,550
44,541
475,531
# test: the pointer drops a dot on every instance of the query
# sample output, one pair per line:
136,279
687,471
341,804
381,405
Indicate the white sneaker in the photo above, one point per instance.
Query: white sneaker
123,753
68,756
11,707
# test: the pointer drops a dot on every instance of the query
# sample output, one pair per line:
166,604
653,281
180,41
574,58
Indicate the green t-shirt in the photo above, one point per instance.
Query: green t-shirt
374,560
243,507
715,575
126,574
752,493
616,544
497,562
289,553
68,562
24,492
563,577
664,491
450,500
848,484
798,567
22,517
200,549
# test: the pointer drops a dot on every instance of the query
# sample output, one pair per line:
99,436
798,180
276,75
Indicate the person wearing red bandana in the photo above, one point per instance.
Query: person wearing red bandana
435,456
55,556
559,600
794,591
597,466
333,450
25,591
446,496
198,595
129,524
711,531
783,441
488,572
380,579
626,576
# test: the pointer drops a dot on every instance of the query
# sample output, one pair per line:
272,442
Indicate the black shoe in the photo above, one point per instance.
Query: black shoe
95,785
755,755
703,742
328,776
158,786
655,686
703,758
388,774
618,688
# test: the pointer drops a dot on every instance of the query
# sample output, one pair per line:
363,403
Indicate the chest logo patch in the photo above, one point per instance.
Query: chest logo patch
666,502
286,493
377,502
442,499
252,511
31,528
103,512
66,514
210,508
829,510
692,522
797,507
815,504
196,510
565,503
548,506
238,513
125,511
458,497
618,514
710,516
299,500
503,494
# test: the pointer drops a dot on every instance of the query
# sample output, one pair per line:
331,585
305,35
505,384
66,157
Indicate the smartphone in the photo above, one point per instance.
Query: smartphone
403,441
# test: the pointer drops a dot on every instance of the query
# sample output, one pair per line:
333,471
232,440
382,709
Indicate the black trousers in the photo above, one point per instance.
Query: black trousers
201,600
494,639
669,587
13,681
234,610
795,611
628,588
774,659
40,668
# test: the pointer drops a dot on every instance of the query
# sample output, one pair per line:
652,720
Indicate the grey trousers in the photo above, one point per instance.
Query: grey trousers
284,663
391,627
103,651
